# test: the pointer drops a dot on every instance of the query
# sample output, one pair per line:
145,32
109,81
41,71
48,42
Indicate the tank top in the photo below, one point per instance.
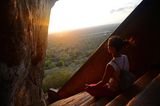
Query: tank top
123,63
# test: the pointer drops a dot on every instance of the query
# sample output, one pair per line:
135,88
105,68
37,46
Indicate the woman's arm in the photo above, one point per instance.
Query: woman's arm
109,70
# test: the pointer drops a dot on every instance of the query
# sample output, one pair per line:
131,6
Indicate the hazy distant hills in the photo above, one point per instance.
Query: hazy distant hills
100,30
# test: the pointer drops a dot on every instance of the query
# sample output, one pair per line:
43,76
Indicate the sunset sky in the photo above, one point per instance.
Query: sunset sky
75,14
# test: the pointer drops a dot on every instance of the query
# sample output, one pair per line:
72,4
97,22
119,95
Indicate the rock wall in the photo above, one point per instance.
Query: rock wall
23,39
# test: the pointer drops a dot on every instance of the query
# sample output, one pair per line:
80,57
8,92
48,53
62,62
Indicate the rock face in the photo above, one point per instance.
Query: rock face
23,39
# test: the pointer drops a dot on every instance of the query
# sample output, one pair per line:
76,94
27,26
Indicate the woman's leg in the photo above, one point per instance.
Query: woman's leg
100,91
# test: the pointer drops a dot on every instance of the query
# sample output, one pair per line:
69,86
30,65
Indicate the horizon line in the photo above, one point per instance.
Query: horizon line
70,30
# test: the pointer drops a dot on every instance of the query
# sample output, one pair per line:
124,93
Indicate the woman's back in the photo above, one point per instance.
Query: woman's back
118,63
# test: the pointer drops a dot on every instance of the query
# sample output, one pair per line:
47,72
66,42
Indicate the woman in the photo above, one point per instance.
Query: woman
109,85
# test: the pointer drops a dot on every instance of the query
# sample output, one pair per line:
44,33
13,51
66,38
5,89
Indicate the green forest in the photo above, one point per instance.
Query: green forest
68,51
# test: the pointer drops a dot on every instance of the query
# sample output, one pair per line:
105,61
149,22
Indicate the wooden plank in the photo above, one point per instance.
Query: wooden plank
81,99
101,102
74,100
88,102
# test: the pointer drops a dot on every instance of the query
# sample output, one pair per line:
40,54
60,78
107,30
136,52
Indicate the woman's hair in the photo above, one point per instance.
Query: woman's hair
117,42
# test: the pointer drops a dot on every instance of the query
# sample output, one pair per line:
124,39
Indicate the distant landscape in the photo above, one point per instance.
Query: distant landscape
68,51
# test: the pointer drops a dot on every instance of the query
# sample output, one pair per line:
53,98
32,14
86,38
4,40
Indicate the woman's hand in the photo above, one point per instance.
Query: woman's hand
94,84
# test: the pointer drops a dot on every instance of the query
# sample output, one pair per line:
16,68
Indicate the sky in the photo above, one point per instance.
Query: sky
74,14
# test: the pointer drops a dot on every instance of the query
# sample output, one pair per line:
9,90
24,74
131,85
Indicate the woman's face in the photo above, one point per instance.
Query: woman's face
111,50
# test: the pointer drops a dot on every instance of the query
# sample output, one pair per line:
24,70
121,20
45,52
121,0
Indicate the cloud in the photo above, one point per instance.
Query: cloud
128,6
122,9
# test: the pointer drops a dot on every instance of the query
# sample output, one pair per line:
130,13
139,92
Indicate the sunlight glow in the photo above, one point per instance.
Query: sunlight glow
74,14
